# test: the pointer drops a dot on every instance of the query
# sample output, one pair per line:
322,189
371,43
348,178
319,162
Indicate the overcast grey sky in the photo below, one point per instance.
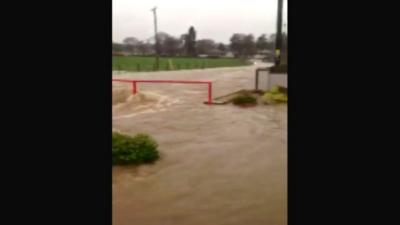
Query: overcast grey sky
215,19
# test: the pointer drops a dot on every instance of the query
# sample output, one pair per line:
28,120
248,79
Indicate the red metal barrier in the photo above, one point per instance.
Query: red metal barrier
135,87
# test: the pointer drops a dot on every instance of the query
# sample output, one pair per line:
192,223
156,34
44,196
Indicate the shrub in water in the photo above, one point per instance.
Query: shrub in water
133,150
280,97
245,99
276,94
274,90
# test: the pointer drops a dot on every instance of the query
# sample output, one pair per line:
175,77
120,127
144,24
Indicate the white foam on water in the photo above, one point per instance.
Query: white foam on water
126,105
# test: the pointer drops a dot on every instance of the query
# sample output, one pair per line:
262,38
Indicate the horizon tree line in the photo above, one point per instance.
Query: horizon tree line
241,45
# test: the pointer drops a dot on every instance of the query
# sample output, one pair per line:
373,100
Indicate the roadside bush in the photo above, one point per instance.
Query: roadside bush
133,150
244,99
275,95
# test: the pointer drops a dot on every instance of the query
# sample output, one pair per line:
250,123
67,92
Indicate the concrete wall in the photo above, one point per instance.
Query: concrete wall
277,79
268,80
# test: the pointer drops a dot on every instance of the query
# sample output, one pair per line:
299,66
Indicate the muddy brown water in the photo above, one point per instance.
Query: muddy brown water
220,165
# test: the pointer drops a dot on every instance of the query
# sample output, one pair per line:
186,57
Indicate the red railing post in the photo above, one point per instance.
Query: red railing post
134,87
209,93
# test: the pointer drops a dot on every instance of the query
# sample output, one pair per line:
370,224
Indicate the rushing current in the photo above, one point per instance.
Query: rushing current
219,165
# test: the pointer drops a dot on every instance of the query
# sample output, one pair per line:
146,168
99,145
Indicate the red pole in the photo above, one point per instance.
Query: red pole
134,87
209,93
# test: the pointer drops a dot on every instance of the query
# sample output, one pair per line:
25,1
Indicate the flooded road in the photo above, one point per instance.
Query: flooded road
220,164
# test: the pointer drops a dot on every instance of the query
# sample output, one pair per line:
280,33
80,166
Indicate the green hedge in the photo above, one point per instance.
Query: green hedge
133,150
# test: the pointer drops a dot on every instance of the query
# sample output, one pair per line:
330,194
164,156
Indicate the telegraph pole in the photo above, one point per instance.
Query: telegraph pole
278,42
156,37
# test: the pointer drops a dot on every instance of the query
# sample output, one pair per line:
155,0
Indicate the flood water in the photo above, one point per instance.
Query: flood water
220,164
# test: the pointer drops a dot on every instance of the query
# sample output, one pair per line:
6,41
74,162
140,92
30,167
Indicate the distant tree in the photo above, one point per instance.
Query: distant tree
249,45
222,47
272,39
243,45
117,47
162,42
131,41
262,43
237,44
131,44
205,46
271,45
191,42
162,36
183,47
171,46
168,44
144,48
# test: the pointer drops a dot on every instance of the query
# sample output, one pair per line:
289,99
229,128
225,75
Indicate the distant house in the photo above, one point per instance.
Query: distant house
265,52
267,55
229,54
216,53
258,56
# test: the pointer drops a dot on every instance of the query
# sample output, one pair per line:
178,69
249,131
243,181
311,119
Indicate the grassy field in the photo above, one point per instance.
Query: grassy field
136,63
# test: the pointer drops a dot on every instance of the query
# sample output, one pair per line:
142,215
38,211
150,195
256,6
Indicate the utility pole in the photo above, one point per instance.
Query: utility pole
156,37
278,42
